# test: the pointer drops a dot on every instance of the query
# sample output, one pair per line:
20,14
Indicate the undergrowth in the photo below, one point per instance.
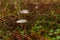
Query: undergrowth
43,20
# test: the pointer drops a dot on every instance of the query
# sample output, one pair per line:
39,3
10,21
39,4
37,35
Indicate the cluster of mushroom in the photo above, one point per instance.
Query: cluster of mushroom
25,11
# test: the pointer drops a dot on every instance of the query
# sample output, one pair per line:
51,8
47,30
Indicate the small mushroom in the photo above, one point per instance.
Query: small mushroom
21,21
25,11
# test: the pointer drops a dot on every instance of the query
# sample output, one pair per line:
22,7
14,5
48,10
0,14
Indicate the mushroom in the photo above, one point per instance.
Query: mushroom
21,21
24,11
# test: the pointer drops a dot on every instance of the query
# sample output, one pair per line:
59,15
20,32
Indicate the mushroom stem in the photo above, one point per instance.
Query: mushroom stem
21,26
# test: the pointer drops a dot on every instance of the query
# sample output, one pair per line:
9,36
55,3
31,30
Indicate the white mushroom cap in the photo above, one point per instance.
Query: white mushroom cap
25,11
21,21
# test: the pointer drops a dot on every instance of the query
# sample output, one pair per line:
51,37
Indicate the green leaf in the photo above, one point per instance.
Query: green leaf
58,37
1,32
54,39
58,30
50,33
51,30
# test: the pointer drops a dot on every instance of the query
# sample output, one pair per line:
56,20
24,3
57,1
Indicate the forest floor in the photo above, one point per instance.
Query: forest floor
29,20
